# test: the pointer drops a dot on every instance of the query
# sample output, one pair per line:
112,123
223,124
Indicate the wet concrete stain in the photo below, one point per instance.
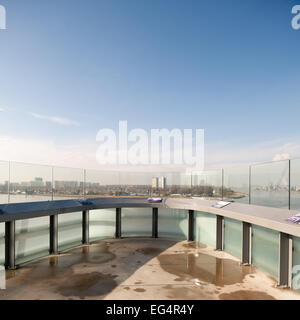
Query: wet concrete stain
87,285
139,290
204,267
194,245
150,251
246,295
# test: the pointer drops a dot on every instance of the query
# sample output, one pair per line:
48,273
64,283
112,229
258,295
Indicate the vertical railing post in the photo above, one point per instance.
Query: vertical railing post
53,234
154,222
191,225
289,178
84,183
220,233
285,260
118,233
10,245
246,243
85,227
249,185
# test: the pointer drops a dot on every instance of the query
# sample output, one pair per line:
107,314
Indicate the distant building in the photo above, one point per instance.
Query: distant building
162,183
155,182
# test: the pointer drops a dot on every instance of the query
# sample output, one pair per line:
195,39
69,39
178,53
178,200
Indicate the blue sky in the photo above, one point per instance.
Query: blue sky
69,68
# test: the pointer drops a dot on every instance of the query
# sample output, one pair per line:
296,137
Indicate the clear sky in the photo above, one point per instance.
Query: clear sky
69,68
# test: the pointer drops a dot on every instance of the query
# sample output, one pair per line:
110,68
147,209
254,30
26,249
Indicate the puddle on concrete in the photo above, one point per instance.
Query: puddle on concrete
246,295
139,290
87,285
205,268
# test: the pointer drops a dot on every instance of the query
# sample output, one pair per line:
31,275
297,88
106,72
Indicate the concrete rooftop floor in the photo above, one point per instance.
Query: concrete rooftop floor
141,268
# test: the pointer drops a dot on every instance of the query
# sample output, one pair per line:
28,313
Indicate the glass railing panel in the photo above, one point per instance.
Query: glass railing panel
295,184
101,184
102,224
233,237
69,230
4,177
2,243
207,184
68,183
296,264
30,183
205,228
136,222
265,246
172,223
236,184
270,184
32,239
135,184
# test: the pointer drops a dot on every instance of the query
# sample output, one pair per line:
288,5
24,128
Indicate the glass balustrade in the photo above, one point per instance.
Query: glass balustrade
172,223
102,224
69,230
205,228
233,237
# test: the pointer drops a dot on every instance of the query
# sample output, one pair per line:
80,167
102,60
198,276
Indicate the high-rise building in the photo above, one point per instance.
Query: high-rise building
155,182
162,183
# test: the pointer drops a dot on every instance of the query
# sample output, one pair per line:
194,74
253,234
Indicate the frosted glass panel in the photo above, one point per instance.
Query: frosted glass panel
295,184
69,230
102,224
32,239
172,223
265,246
205,228
2,243
136,222
296,262
233,237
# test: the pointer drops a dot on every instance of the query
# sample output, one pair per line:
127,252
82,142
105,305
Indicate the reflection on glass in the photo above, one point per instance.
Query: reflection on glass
32,239
233,237
296,264
30,183
265,246
172,223
205,228
136,222
270,184
207,184
68,183
102,224
295,184
2,243
4,177
69,230
236,184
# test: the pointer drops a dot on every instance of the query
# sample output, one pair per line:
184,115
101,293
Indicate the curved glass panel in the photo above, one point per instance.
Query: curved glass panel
30,183
205,228
265,249
102,224
236,184
295,184
233,237
270,184
32,239
4,177
136,222
69,230
172,223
